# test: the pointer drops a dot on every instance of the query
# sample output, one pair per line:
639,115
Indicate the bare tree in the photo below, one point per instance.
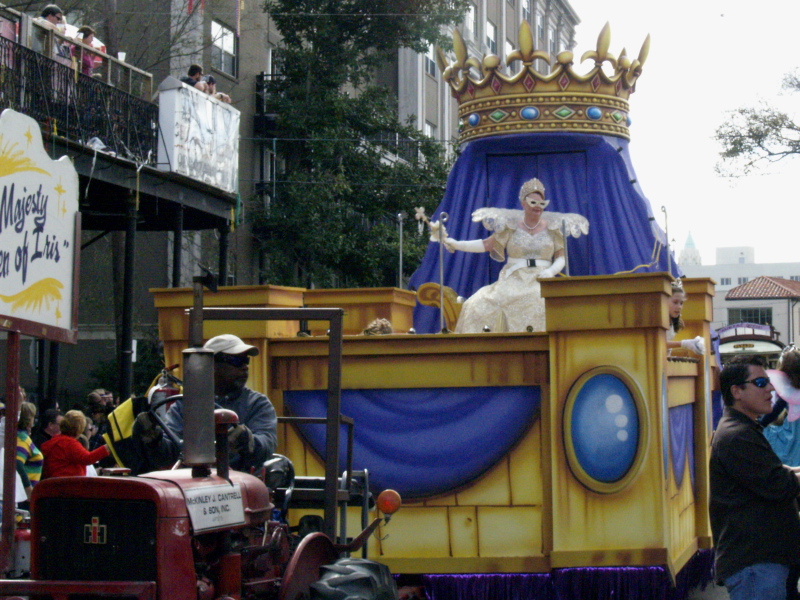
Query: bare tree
753,136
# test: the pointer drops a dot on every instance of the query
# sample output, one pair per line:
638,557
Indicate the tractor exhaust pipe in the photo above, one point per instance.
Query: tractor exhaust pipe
198,410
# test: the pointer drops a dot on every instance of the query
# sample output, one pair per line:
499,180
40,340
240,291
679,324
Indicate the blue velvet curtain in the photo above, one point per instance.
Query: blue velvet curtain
424,442
681,437
582,173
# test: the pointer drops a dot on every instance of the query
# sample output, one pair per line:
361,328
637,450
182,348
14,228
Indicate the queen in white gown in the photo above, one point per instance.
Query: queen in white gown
531,242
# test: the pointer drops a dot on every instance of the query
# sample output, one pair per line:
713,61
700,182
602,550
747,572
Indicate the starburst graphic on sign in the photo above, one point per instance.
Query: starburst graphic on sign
34,296
62,205
14,161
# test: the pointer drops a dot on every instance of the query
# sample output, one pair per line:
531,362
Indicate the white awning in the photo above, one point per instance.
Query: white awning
750,347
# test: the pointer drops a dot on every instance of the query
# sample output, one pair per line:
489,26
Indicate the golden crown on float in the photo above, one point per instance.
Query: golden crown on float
530,101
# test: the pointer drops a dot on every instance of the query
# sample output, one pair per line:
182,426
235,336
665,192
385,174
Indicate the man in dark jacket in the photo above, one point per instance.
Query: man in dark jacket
252,441
753,506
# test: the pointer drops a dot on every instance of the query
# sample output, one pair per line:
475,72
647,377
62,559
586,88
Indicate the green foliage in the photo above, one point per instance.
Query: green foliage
351,166
755,135
149,363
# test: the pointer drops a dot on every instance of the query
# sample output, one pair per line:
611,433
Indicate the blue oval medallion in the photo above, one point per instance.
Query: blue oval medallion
529,113
605,428
594,113
628,121
474,119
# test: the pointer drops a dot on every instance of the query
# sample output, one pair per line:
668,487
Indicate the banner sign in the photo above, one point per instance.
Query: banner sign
199,135
39,229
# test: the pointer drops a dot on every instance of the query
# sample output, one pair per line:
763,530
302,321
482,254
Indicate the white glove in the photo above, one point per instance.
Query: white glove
465,246
435,226
697,345
553,269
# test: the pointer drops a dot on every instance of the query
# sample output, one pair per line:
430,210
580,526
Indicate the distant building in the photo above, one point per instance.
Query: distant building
771,298
690,255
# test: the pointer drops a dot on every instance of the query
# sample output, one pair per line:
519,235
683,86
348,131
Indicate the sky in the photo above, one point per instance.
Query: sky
707,57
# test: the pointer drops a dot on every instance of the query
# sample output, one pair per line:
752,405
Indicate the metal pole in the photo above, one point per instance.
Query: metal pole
223,255
566,253
41,377
443,216
52,373
177,247
400,218
666,234
126,345
10,445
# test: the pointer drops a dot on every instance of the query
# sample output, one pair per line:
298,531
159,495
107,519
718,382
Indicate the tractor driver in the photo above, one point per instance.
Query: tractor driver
252,441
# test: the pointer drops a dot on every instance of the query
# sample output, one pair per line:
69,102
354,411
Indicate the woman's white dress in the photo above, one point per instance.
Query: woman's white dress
514,302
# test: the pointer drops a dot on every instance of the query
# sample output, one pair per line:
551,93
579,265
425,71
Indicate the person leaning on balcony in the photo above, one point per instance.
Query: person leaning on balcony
52,17
194,78
753,501
211,82
85,36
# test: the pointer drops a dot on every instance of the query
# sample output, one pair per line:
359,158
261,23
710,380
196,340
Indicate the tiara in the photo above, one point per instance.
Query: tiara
491,103
677,286
531,186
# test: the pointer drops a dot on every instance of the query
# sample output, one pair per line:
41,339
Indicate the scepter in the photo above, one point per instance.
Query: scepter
439,230
442,220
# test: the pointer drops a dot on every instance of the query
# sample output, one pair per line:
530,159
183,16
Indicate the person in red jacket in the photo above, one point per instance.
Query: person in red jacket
64,455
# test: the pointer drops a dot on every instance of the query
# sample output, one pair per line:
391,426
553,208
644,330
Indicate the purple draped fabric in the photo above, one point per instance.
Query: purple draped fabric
681,436
583,583
424,442
583,173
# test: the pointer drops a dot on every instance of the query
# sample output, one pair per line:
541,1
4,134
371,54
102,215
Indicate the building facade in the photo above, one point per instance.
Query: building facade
736,267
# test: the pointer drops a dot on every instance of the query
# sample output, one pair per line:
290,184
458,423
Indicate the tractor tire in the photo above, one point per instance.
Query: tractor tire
354,579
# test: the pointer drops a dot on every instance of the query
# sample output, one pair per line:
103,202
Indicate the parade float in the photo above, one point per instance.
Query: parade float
565,463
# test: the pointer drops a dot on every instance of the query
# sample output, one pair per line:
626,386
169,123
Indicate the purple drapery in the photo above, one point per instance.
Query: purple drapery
584,583
424,442
681,440
583,173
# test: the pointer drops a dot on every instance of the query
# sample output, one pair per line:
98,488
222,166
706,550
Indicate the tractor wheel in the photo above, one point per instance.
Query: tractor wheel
354,579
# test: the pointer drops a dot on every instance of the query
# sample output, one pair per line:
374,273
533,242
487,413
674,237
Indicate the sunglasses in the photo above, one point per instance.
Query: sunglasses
235,360
759,382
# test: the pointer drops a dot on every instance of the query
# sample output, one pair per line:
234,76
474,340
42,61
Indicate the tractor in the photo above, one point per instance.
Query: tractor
204,531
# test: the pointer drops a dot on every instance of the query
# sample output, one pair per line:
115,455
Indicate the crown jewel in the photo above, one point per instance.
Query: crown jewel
492,103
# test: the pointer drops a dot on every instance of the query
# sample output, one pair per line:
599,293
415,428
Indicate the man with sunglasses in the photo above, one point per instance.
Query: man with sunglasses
753,505
252,441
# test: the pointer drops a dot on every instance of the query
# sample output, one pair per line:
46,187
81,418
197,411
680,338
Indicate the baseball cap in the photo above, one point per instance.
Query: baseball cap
229,344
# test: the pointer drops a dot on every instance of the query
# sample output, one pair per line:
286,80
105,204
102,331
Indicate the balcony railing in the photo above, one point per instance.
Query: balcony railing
79,107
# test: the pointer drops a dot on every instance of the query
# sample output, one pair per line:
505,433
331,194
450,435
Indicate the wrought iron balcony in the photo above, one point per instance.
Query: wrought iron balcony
110,111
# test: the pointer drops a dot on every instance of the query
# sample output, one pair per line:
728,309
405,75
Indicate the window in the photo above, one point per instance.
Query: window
760,316
509,49
430,62
553,41
540,27
725,281
471,22
430,129
491,37
511,2
224,49
526,10
795,277
742,280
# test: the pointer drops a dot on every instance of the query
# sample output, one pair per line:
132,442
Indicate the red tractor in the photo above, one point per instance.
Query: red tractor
202,532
